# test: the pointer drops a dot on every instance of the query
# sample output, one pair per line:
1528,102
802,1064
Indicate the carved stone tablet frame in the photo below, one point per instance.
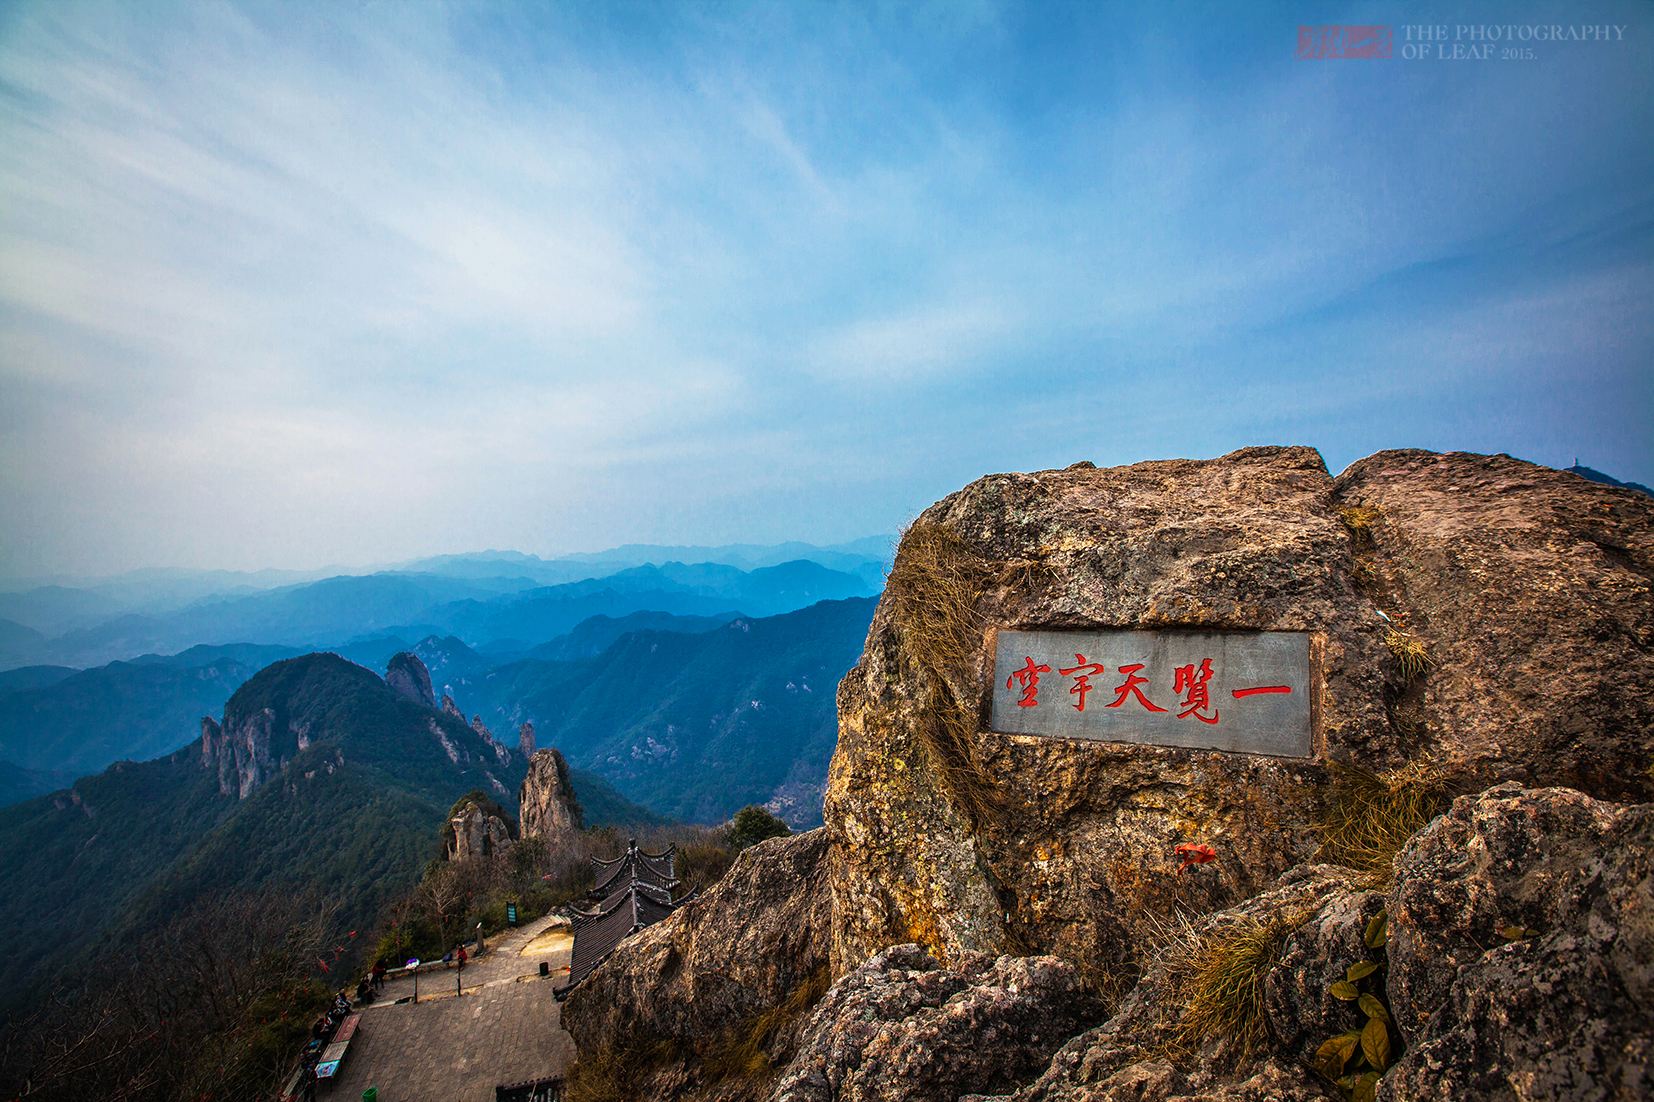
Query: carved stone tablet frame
1241,691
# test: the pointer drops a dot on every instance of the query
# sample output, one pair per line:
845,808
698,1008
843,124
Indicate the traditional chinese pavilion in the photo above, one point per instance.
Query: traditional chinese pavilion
633,890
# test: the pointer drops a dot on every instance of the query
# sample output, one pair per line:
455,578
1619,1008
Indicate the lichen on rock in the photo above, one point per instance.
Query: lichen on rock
903,1026
1522,958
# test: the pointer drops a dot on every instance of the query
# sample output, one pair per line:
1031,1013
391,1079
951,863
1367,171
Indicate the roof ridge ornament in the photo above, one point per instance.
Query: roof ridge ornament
636,888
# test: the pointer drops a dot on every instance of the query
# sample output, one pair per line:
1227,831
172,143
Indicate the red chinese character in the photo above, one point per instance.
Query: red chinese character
1028,678
1082,683
1193,681
1132,687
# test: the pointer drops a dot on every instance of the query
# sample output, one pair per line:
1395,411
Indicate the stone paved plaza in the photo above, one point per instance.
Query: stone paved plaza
457,1048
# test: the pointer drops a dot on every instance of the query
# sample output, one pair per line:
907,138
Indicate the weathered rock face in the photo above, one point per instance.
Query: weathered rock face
247,750
1130,1055
525,739
1522,952
1298,999
409,677
966,840
1531,588
450,708
501,753
216,756
754,942
474,831
1564,1011
902,1026
547,807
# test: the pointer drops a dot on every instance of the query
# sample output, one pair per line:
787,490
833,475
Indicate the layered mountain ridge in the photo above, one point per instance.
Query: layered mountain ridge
481,599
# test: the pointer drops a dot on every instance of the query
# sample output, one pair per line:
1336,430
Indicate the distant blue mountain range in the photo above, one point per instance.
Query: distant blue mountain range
1607,480
175,665
486,599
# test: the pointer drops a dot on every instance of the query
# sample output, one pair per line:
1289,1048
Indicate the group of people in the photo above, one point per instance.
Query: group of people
327,1024
367,989
369,986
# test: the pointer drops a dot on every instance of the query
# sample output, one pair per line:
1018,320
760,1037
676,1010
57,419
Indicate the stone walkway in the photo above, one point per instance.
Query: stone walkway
504,1028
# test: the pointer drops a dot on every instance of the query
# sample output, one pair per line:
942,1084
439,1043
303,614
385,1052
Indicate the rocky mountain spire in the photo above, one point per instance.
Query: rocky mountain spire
525,738
246,750
548,806
499,748
409,677
476,828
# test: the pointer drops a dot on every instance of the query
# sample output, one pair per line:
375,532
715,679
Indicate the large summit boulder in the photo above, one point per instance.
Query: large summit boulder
1530,588
1446,598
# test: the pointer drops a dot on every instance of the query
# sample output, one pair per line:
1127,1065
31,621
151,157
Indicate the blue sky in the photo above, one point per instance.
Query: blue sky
324,283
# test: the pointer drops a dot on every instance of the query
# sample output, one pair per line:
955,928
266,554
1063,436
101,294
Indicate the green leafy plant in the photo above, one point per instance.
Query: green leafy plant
752,824
1356,1059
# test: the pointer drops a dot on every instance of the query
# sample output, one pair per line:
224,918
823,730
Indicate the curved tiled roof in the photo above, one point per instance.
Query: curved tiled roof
634,864
634,891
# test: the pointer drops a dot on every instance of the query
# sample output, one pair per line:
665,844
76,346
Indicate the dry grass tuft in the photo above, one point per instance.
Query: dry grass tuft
616,1073
934,589
743,1053
1370,816
934,586
1359,519
1411,653
1219,978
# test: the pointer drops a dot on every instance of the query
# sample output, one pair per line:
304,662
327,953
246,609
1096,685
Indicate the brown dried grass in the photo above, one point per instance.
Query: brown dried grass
1370,816
1221,985
617,1072
934,590
745,1051
1411,653
1360,519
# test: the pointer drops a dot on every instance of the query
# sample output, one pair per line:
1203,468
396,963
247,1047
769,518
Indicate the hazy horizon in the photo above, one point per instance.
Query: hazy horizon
547,554
287,287
390,565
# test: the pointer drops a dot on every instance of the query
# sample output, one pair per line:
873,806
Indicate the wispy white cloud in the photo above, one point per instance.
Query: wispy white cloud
917,346
283,285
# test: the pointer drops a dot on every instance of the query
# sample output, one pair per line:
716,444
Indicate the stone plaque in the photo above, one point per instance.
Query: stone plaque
1246,692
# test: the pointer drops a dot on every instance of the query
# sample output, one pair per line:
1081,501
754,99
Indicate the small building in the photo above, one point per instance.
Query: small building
632,891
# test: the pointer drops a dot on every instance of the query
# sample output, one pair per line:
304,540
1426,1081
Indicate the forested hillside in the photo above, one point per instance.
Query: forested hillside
358,782
694,726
